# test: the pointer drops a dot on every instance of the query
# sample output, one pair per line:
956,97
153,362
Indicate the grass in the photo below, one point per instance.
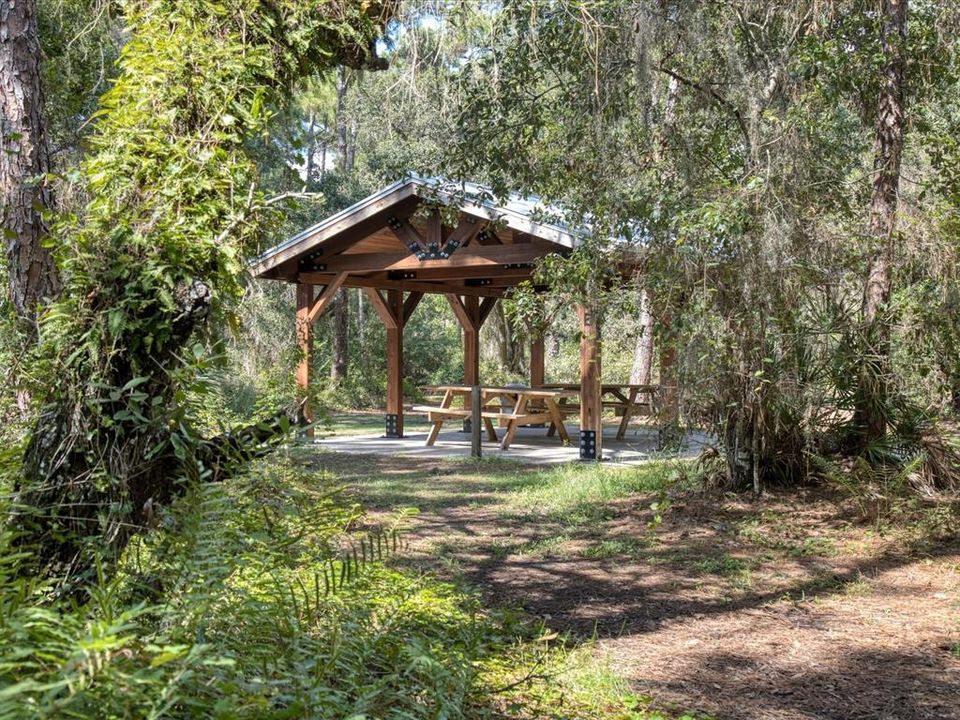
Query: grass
563,683
576,494
363,423
261,615
616,547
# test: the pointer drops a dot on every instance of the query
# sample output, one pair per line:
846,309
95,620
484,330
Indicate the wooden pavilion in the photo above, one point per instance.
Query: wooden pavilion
420,236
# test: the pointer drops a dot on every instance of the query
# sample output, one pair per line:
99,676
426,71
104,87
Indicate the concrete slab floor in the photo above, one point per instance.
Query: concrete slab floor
530,446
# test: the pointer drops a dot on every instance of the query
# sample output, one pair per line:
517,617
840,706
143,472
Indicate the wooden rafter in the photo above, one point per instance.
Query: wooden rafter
408,235
466,230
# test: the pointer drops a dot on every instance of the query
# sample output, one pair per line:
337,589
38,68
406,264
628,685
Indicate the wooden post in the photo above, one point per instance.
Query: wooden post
591,409
476,449
471,352
394,419
471,314
305,341
471,342
537,363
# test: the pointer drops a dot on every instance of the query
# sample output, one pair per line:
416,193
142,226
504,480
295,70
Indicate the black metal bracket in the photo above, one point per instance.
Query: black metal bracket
392,426
588,444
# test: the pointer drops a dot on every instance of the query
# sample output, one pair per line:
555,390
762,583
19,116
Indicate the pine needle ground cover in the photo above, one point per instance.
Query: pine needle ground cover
275,595
693,599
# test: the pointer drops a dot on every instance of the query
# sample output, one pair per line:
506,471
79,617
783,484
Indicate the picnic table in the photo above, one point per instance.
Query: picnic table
520,406
628,400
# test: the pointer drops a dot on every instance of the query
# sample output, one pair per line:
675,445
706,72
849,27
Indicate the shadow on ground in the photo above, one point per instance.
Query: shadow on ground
777,608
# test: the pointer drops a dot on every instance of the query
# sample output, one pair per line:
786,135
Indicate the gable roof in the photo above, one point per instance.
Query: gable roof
523,214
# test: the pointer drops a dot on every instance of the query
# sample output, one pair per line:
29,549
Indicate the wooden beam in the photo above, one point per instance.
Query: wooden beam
460,310
305,342
326,296
486,307
471,356
381,307
478,256
591,407
488,237
407,234
537,362
470,311
493,272
472,304
434,230
467,229
340,230
410,304
394,423
360,281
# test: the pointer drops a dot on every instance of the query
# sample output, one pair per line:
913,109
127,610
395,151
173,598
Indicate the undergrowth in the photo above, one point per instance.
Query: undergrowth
269,597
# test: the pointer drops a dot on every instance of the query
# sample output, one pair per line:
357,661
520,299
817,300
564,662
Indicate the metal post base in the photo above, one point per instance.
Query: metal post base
392,430
588,444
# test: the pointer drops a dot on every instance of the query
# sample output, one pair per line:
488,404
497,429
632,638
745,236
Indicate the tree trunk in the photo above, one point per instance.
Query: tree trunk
509,350
345,157
311,149
341,337
870,416
643,353
23,158
361,318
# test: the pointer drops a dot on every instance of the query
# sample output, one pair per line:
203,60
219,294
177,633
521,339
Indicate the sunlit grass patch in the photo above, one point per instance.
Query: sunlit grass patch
551,546
815,547
579,493
615,547
736,570
548,680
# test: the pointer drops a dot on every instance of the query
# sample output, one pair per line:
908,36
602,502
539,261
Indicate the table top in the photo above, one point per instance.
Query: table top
495,390
605,387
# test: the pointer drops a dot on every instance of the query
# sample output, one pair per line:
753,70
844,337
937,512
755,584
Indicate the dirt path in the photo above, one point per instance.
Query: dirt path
778,608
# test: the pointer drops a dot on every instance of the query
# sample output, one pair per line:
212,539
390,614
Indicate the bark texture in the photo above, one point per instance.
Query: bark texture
23,159
643,353
341,337
873,391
